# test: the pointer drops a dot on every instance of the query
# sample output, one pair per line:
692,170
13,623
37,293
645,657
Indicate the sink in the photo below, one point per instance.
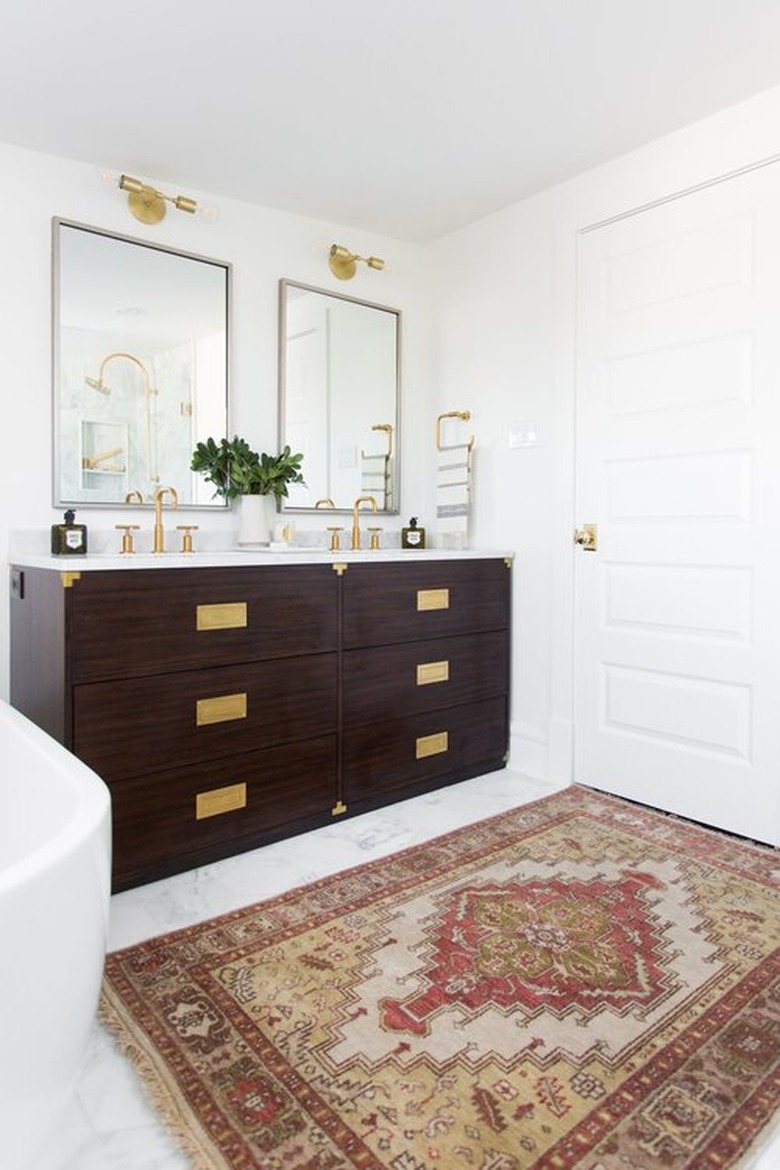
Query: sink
282,547
245,556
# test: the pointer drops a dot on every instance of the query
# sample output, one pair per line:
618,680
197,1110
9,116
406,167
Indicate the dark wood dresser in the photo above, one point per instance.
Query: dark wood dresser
227,707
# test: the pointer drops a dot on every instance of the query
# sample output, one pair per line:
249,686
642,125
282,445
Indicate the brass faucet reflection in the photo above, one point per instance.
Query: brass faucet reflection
159,531
356,520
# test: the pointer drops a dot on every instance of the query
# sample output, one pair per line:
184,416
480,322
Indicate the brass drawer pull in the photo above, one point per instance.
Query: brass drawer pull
229,616
220,709
432,745
220,800
433,599
432,672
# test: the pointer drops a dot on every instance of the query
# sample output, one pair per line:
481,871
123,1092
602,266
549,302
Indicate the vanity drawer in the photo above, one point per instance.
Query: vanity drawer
184,817
402,753
432,599
126,623
424,676
131,726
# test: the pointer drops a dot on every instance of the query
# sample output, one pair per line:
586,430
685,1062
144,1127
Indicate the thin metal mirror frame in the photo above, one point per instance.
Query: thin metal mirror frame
58,222
284,284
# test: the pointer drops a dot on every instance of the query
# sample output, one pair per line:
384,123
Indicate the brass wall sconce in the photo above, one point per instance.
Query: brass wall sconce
147,204
343,263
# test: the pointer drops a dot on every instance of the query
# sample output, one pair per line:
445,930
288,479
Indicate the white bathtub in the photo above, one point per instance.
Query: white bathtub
55,872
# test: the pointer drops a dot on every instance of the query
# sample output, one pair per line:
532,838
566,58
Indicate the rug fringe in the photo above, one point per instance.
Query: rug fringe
753,1154
180,1121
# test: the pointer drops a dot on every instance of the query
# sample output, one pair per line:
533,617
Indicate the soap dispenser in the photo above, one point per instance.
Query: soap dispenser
68,539
412,536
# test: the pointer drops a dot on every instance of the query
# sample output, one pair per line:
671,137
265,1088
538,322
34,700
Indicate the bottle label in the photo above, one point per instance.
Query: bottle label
413,537
74,538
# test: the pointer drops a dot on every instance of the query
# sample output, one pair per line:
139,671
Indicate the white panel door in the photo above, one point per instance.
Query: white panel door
677,634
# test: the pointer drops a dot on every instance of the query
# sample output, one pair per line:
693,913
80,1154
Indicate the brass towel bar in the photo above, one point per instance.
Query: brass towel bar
464,415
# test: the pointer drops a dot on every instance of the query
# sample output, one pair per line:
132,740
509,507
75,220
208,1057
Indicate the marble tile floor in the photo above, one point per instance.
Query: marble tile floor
109,1125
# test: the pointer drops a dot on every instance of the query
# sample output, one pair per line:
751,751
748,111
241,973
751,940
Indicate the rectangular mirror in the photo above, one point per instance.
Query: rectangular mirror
140,367
339,394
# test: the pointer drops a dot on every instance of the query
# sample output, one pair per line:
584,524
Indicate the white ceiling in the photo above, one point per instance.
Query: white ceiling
405,117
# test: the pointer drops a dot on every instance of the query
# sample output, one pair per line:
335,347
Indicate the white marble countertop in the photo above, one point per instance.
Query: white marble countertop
227,558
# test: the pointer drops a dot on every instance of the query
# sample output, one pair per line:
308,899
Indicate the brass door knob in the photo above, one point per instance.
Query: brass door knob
587,537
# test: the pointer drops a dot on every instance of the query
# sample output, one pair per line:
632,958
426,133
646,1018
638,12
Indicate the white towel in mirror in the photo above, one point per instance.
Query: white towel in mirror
376,479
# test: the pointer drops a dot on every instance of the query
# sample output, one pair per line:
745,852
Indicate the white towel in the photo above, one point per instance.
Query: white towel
453,495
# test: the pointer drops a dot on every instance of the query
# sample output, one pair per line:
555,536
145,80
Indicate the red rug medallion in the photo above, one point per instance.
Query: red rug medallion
575,984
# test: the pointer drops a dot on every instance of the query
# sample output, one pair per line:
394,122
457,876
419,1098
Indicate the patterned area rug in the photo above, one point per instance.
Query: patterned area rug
576,983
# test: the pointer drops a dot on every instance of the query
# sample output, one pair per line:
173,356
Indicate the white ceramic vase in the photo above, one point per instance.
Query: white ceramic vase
256,515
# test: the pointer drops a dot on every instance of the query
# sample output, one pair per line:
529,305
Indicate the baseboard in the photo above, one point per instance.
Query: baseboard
543,758
561,751
528,751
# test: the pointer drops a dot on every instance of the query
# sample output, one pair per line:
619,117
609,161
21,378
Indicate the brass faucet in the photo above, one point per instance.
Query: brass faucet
159,532
355,519
134,497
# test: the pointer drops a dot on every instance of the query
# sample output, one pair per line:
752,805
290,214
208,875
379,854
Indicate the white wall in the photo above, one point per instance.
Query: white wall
505,303
263,245
489,325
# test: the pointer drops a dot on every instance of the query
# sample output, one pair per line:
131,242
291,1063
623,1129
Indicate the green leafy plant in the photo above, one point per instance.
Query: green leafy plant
236,470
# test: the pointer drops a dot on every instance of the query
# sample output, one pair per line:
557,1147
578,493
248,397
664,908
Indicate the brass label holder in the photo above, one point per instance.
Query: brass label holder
433,672
220,800
220,709
227,616
428,599
431,745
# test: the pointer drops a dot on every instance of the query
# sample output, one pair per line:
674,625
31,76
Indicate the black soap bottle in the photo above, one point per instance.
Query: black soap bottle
412,536
68,539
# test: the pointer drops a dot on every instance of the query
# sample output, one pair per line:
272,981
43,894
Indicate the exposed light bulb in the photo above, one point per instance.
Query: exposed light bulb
207,212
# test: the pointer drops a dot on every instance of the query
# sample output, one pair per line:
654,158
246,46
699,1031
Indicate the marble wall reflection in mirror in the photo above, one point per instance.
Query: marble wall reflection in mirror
140,367
339,382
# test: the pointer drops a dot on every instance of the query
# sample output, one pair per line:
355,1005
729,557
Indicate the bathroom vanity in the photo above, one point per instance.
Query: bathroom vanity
234,699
